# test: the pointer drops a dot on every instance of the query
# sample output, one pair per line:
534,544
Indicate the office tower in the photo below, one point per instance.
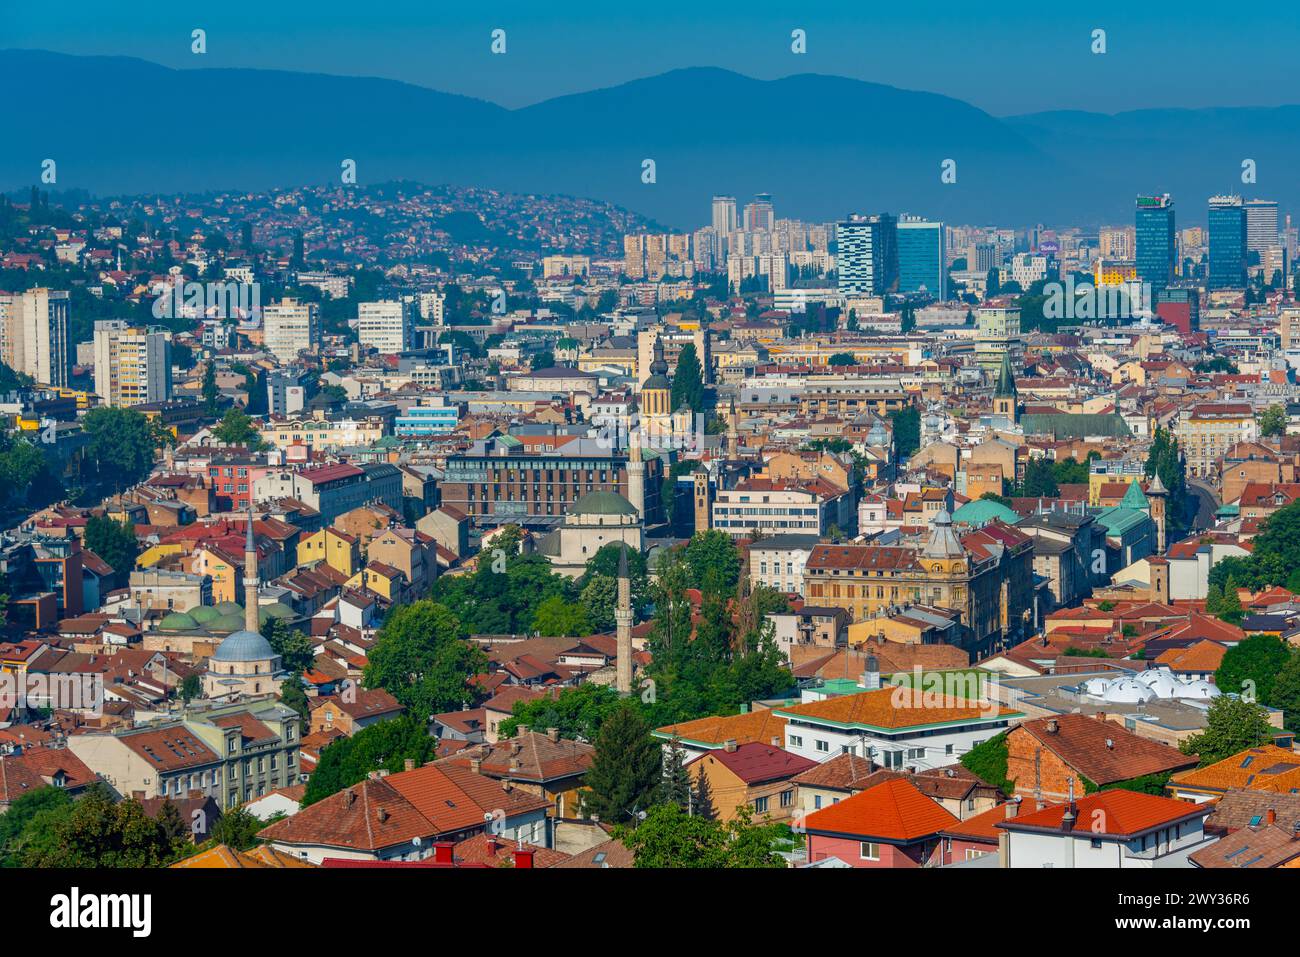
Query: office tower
868,255
1227,229
290,327
38,335
1261,225
981,257
386,326
1153,233
724,215
286,392
132,366
9,302
760,217
922,258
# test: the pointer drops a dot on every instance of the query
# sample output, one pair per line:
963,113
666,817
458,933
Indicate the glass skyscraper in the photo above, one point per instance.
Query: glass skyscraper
1227,229
1154,241
922,263
867,255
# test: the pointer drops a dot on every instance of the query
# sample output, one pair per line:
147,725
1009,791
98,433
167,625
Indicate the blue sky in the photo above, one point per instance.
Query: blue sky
1010,57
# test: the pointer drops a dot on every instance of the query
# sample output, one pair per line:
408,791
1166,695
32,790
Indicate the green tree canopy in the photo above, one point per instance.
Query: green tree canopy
419,658
382,746
114,542
1232,725
625,773
671,838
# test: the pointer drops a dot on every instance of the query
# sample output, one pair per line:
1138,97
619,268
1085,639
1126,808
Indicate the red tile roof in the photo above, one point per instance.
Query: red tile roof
1118,813
755,763
893,812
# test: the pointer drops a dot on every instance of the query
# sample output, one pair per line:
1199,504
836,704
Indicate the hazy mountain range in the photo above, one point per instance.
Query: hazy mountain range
823,146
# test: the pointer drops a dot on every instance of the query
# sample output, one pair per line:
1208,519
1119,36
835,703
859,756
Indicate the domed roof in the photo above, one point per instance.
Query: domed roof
276,609
230,608
1128,691
244,646
1197,690
178,621
1096,686
227,623
204,614
602,503
1160,680
659,382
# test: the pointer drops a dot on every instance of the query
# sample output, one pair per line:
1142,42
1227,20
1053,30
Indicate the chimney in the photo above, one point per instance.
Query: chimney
1052,726
382,814
553,734
871,677
521,730
1270,816
1071,811
442,852
523,858
493,845
1010,810
476,765
776,742
409,764
729,745
351,798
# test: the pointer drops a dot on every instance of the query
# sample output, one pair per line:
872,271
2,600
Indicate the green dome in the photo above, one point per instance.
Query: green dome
204,614
225,624
178,621
602,503
274,610
230,608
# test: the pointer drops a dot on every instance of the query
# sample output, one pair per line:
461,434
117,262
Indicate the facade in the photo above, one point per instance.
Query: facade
290,327
386,326
1206,432
35,338
132,366
922,258
501,476
1227,228
1154,238
867,261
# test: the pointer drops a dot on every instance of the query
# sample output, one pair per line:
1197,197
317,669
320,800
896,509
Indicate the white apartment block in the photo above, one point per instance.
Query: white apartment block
132,366
290,327
35,334
386,326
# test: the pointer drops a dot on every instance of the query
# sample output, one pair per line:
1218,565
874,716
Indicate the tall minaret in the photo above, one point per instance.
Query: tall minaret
250,579
636,475
1158,495
732,449
623,626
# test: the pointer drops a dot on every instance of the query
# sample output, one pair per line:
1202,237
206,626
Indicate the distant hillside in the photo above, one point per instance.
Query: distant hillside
822,145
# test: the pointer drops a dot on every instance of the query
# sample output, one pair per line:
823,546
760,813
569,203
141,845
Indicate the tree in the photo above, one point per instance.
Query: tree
556,617
419,658
907,430
383,746
93,831
676,786
1251,666
121,443
172,824
1040,480
294,648
13,823
1166,460
293,696
842,359
577,713
1230,609
211,395
1232,725
702,800
714,561
1285,693
1273,421
688,381
236,428
669,837
625,773
114,542
237,828
191,687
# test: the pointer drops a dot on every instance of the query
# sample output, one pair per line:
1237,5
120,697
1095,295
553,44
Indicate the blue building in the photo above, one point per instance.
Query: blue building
1227,222
867,255
1154,241
922,259
421,421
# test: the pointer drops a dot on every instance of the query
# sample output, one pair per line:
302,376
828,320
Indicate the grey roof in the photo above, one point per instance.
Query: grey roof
244,646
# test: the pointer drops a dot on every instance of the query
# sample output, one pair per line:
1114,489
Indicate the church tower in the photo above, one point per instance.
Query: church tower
1158,496
1004,394
656,391
623,627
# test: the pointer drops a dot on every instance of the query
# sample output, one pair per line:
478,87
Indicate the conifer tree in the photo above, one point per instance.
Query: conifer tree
627,771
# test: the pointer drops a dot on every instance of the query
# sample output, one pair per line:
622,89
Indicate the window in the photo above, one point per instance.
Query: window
787,798
796,741
869,851
823,746
760,805
817,802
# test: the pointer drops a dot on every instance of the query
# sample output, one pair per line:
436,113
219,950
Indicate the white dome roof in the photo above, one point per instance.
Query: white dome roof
1198,690
1128,691
1096,686
1161,682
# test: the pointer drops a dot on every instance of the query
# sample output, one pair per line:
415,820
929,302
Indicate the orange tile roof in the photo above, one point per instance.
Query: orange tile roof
894,811
1266,768
981,827
894,708
761,725
1203,656
1120,813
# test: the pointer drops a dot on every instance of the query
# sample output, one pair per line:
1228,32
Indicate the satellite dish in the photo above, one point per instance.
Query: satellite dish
417,840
